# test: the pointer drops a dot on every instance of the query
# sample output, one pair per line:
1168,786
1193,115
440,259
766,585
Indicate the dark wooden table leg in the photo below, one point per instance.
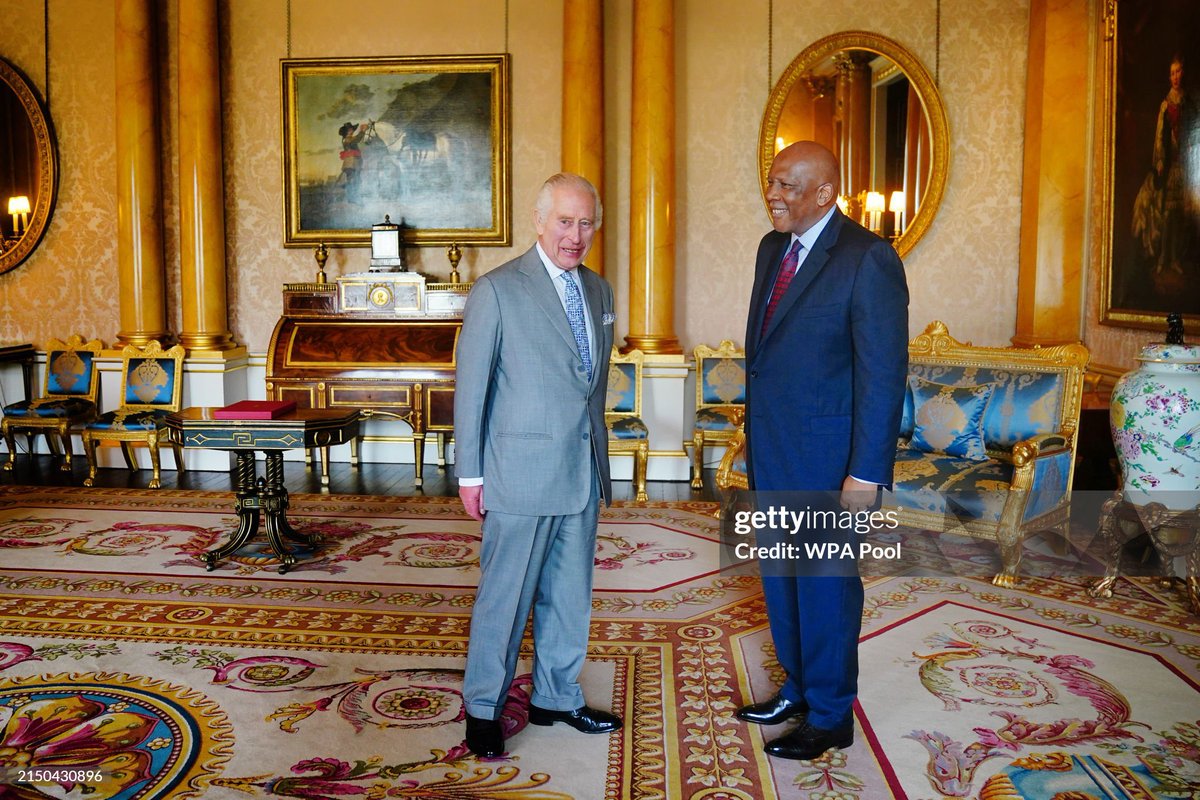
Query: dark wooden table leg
247,507
27,375
275,504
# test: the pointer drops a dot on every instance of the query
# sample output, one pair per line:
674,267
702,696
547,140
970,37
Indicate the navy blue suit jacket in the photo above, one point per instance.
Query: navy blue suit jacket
826,380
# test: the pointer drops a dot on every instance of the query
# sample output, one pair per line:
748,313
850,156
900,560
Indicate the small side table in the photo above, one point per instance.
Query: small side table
266,496
23,353
1173,533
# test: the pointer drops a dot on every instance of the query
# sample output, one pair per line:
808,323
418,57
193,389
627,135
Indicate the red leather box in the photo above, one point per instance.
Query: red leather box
255,409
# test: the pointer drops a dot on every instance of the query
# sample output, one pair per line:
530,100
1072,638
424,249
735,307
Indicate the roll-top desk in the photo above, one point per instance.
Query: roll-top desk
380,343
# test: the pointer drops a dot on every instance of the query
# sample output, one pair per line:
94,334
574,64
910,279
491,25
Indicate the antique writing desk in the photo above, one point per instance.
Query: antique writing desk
256,497
379,343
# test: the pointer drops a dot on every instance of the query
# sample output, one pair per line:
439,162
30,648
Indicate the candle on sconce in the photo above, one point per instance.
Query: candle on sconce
19,208
875,207
896,206
843,204
779,143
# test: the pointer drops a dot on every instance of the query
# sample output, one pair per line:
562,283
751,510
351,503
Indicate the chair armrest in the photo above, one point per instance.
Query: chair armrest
731,473
1042,466
1028,450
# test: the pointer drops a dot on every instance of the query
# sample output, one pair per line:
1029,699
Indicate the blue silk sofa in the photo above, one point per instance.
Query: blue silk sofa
987,441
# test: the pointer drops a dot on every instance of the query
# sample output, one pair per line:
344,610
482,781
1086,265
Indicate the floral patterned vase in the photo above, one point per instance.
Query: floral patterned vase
1155,420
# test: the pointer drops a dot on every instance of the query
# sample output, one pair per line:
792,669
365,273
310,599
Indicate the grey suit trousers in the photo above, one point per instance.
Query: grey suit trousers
556,555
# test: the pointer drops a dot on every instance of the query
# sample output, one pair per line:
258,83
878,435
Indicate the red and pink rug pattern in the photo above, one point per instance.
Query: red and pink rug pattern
129,671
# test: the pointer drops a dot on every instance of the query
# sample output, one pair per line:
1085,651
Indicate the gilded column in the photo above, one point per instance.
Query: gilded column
1053,248
583,100
652,181
141,267
854,110
201,196
823,91
917,154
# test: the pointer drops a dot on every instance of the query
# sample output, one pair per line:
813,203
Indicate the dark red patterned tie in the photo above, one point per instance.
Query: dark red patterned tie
787,271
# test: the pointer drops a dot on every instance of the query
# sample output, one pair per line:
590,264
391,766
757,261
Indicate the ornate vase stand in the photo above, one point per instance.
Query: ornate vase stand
1173,533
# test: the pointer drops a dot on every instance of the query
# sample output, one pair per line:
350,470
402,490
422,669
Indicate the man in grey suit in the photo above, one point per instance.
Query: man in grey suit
531,455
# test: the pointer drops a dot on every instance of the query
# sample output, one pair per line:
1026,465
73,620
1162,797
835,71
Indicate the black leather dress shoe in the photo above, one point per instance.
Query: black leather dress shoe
807,741
772,711
583,719
485,737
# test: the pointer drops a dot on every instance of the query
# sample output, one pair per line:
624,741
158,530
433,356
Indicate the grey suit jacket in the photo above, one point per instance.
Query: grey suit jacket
526,417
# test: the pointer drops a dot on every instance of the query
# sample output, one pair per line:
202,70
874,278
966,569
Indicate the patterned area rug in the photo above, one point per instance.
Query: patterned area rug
128,671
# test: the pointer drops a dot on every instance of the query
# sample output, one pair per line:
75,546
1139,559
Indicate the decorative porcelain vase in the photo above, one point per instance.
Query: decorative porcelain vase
1155,421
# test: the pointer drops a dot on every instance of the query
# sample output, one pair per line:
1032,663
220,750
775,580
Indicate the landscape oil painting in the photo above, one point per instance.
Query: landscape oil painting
422,141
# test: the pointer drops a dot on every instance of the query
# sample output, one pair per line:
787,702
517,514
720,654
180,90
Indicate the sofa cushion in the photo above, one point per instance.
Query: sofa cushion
950,485
949,419
1026,402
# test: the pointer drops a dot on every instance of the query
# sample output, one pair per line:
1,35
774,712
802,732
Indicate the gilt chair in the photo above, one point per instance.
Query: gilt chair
151,388
720,400
623,414
68,399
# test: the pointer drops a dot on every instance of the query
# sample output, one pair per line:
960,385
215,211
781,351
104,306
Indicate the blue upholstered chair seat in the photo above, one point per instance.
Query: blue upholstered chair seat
717,419
72,407
127,420
628,428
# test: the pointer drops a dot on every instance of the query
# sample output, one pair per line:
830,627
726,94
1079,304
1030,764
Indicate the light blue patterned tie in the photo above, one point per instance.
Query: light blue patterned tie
576,319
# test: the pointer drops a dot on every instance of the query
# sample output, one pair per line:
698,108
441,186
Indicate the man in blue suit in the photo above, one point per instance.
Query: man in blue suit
826,357
531,454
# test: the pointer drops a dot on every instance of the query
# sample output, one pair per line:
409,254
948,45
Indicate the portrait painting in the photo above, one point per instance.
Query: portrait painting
1152,258
422,141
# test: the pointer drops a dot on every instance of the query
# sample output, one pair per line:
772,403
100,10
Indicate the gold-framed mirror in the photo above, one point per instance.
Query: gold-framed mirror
872,102
28,167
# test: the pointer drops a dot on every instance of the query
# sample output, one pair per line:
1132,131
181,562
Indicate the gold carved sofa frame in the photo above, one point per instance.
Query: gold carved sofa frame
1025,479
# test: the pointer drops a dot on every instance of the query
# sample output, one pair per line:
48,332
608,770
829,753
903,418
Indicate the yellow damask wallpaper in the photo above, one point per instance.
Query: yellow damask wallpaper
964,271
68,285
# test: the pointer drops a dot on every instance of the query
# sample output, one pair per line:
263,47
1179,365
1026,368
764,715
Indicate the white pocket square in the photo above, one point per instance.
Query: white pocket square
608,319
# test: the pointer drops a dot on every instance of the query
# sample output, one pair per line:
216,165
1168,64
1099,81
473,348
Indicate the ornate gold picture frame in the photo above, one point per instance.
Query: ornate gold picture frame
1151,245
424,140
